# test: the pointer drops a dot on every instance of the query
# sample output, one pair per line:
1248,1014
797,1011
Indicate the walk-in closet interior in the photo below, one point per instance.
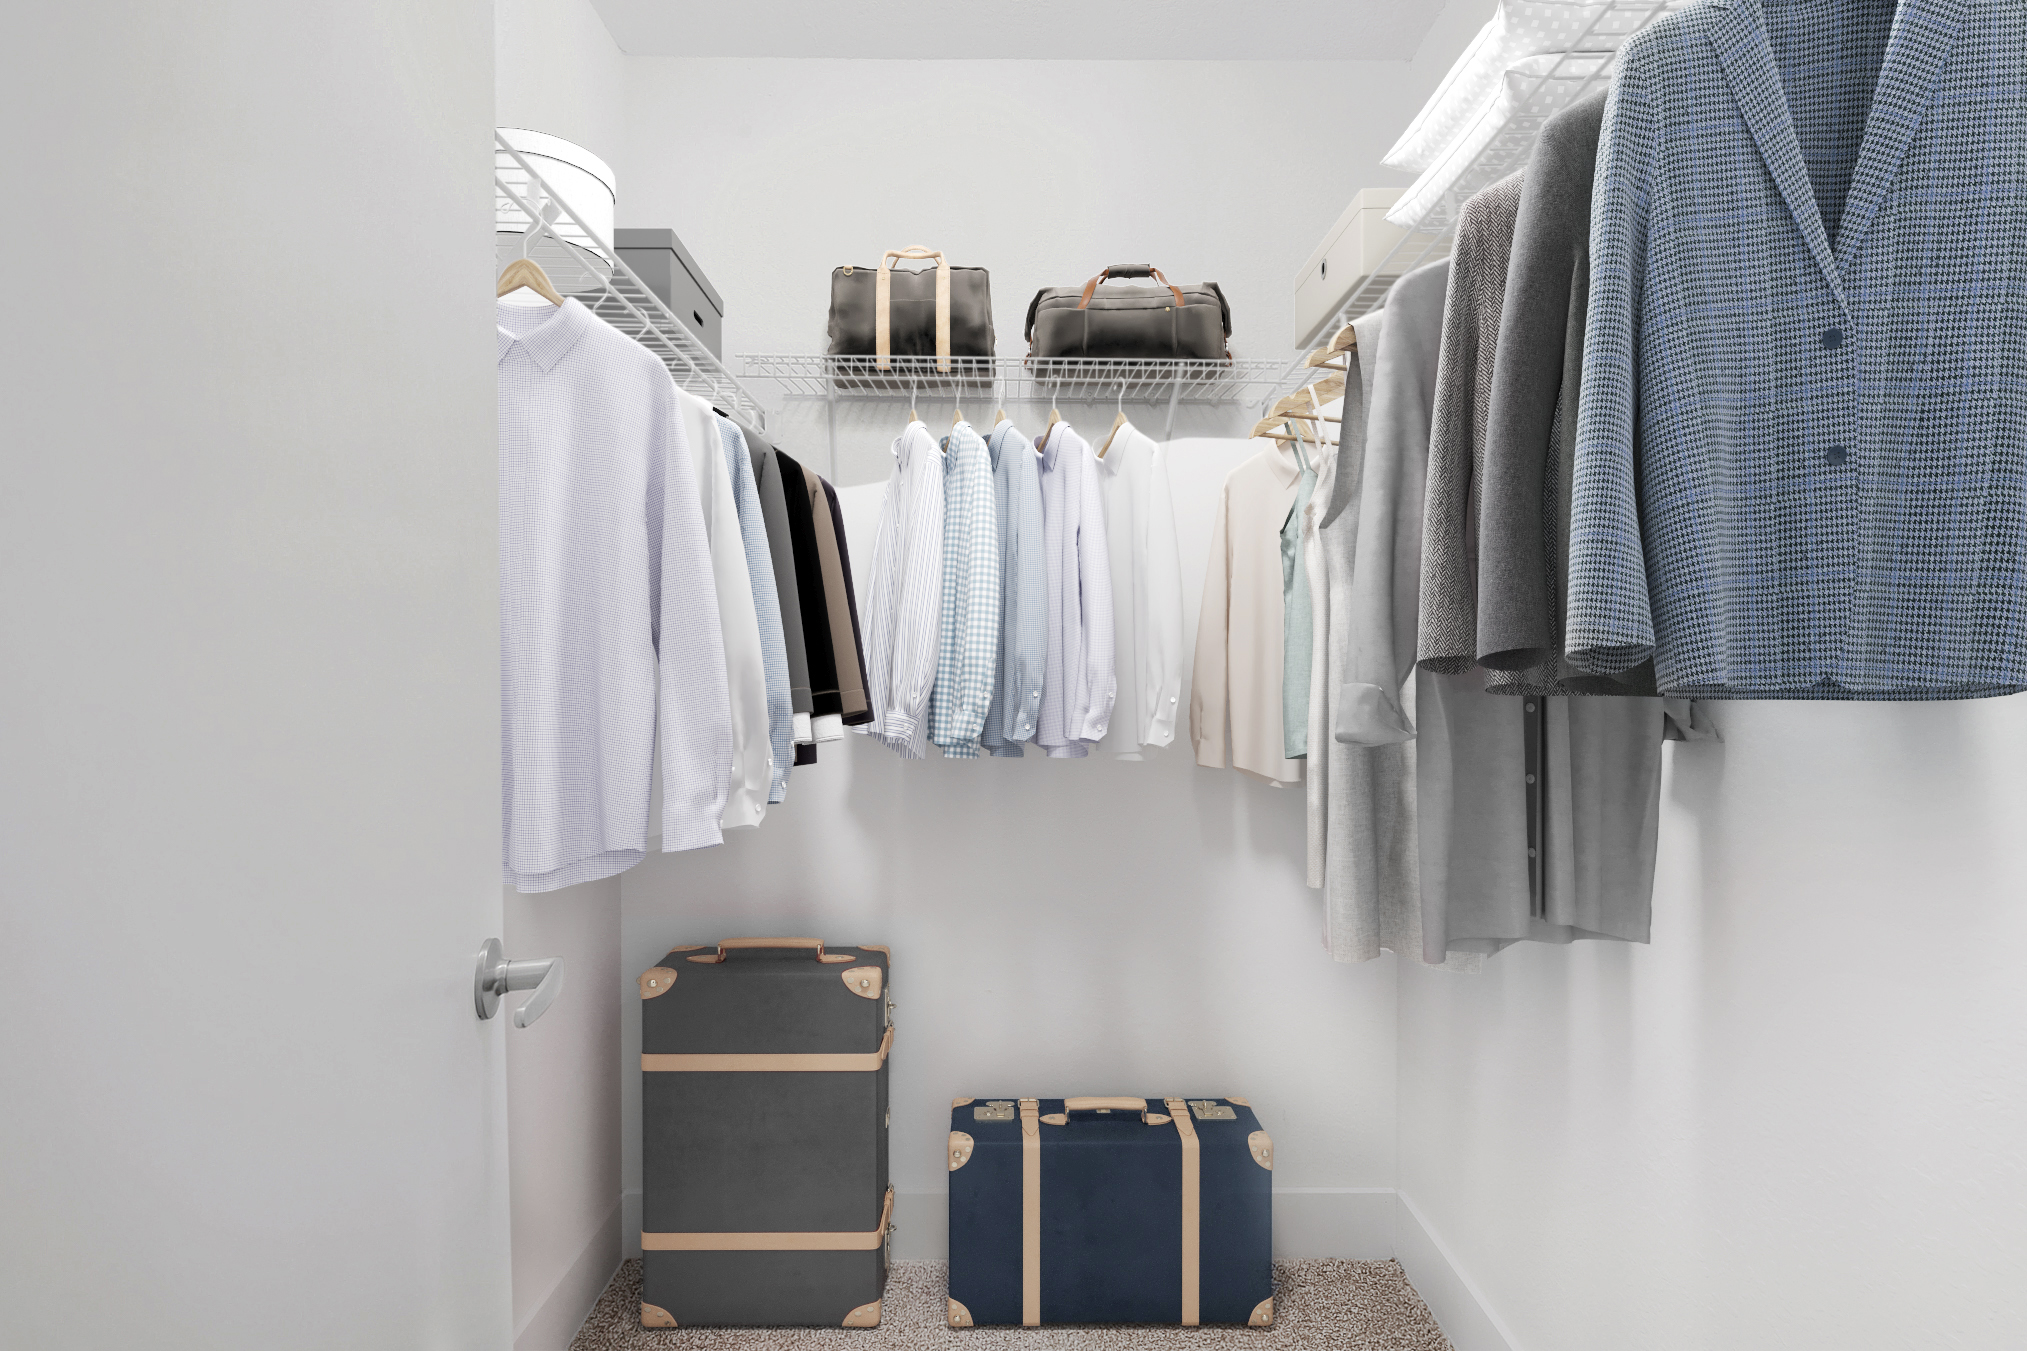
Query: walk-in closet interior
1497,530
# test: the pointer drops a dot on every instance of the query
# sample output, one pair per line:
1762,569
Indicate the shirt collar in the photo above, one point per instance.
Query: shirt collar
1280,456
551,340
1109,462
1052,446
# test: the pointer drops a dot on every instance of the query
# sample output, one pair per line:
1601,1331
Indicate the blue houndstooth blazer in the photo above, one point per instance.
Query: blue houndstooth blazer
1802,445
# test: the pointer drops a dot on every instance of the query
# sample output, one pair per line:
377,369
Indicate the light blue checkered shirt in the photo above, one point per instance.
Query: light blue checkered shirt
969,647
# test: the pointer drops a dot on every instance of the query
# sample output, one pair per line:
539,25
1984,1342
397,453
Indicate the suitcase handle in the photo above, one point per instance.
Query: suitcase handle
816,943
1098,1104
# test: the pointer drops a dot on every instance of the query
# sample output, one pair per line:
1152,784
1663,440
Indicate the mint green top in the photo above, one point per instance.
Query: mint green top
1296,634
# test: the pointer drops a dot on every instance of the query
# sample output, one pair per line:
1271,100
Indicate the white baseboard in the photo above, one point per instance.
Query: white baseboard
1308,1222
1466,1319
555,1322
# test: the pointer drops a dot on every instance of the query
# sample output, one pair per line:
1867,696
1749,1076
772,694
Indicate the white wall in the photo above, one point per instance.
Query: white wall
776,171
1799,1118
558,71
248,702
1062,927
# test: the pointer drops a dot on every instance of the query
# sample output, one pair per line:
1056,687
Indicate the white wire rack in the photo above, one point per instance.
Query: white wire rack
533,222
1016,379
1490,150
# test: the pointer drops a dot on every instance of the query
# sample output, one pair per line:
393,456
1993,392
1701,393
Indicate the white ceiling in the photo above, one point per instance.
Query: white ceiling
1182,30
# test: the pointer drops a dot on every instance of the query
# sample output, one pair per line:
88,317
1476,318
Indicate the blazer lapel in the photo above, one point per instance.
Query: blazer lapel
1739,35
1924,32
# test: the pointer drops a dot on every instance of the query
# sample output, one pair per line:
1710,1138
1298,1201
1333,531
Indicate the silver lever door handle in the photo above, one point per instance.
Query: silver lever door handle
496,976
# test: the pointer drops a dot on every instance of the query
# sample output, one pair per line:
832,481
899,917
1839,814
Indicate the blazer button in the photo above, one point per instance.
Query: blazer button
1835,455
1832,337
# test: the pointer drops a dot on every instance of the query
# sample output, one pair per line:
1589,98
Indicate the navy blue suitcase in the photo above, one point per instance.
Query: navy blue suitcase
1110,1210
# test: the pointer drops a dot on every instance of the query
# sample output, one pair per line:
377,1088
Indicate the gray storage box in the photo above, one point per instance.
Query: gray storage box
764,1135
659,259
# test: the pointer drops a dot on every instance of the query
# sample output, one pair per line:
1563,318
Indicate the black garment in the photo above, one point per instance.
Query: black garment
816,629
851,594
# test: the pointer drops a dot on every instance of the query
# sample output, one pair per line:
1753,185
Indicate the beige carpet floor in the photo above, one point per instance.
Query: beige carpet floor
1328,1305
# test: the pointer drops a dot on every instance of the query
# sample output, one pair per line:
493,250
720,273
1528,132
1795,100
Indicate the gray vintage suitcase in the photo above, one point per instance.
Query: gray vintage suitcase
764,1135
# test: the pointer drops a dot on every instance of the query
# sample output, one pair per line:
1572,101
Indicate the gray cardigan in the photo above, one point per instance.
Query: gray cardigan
1530,445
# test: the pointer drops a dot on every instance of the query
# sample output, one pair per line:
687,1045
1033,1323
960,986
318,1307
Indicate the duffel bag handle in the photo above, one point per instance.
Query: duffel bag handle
883,303
1130,270
817,943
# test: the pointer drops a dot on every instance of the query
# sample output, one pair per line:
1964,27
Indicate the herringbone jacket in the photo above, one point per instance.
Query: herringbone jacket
1802,446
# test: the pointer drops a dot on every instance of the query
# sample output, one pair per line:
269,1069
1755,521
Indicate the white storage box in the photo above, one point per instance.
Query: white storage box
581,181
1349,253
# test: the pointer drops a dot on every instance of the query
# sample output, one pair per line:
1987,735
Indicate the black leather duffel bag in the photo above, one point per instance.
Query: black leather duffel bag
1130,322
939,311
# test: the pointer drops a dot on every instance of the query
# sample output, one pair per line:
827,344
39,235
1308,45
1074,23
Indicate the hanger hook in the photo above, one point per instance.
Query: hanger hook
1122,398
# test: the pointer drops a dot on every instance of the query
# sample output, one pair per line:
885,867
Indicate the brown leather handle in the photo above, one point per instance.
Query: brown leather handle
1096,1104
1151,271
731,943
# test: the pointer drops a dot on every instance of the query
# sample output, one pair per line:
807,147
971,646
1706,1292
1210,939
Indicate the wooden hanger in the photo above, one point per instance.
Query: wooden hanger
527,272
1325,357
1117,422
1054,418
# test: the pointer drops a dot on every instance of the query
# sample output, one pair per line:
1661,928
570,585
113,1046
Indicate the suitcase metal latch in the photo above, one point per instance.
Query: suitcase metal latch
1206,1110
993,1111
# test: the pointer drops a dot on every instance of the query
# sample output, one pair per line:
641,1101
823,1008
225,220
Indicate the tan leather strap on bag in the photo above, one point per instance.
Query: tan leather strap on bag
730,943
1091,286
763,1062
849,1241
1192,1206
883,306
1031,1213
1104,1104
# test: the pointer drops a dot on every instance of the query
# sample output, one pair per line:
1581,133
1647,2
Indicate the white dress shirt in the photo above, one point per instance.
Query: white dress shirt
1146,592
1078,682
750,765
602,561
905,600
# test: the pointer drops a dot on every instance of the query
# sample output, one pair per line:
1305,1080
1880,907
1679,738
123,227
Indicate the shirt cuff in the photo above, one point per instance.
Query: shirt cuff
827,727
802,732
1368,716
963,750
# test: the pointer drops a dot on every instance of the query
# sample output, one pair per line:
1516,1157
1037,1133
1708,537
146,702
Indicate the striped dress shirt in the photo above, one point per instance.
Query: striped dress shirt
1024,593
1078,683
906,598
766,608
970,625
738,621
608,613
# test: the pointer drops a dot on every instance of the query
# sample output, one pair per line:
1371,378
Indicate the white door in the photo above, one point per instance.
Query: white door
249,681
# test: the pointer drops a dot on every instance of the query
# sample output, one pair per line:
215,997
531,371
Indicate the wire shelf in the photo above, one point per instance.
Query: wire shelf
533,222
1490,150
1016,379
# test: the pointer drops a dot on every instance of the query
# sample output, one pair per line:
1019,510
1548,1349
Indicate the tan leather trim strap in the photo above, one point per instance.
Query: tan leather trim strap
1091,287
849,1241
1192,1206
730,943
1031,1213
770,1064
883,306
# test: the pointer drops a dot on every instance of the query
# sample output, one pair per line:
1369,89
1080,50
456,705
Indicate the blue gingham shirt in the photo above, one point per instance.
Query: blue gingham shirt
970,624
1802,442
766,607
608,610
1024,595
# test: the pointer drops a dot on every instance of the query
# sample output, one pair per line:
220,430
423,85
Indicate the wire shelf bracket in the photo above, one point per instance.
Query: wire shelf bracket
533,221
